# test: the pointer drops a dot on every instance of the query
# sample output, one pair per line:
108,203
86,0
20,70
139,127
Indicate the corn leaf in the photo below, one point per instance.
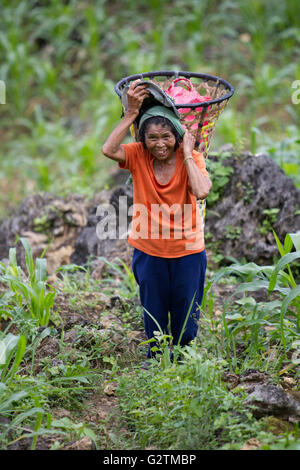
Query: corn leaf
279,245
292,295
21,346
6,346
282,263
28,259
41,269
288,243
295,237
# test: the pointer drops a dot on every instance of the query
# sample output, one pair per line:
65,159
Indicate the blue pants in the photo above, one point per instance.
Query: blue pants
167,285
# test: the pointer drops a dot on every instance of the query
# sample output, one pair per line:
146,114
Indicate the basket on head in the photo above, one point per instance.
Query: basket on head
198,117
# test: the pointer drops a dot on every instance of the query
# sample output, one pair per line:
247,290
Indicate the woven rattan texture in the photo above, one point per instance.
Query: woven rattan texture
200,121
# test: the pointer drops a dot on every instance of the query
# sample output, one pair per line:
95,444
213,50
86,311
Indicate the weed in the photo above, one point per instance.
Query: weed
220,175
248,191
125,274
233,233
183,407
269,221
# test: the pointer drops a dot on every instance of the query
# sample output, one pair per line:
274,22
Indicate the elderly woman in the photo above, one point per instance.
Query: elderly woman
169,259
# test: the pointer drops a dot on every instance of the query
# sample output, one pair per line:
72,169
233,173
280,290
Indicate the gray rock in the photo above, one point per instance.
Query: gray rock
88,244
272,400
44,219
256,185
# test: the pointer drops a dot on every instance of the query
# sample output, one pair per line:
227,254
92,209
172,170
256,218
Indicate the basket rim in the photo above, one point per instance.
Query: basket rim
177,74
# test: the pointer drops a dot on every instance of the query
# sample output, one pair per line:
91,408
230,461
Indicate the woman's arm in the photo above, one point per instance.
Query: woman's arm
199,183
112,148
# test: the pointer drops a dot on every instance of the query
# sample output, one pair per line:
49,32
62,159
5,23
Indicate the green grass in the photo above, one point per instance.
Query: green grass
183,407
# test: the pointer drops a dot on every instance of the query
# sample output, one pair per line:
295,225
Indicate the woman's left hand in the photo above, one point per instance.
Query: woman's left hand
199,184
188,143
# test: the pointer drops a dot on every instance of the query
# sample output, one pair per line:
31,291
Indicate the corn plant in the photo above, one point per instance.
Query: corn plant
293,296
33,291
12,349
249,319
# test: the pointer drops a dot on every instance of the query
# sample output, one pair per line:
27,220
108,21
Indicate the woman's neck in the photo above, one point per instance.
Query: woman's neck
165,163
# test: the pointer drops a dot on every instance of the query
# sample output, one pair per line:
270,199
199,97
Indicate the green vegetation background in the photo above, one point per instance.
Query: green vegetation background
59,61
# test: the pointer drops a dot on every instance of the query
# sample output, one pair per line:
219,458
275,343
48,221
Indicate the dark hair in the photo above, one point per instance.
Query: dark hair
165,123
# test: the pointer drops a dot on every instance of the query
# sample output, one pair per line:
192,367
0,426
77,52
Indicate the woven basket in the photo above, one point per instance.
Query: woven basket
205,117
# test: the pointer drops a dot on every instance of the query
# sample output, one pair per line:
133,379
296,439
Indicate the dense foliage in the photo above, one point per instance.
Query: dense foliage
59,61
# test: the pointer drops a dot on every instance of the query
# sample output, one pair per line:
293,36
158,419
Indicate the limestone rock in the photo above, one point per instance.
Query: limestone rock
240,222
272,400
47,222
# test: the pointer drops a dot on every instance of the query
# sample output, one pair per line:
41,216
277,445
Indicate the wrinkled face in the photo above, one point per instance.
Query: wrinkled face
160,141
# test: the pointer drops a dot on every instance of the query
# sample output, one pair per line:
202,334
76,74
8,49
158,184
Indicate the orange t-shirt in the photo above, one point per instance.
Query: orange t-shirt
166,220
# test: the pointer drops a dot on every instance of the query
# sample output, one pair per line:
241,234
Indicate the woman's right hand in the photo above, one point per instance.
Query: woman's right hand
135,96
113,148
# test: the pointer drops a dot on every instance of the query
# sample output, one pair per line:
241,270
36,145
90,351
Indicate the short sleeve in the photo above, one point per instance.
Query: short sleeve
131,153
200,162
